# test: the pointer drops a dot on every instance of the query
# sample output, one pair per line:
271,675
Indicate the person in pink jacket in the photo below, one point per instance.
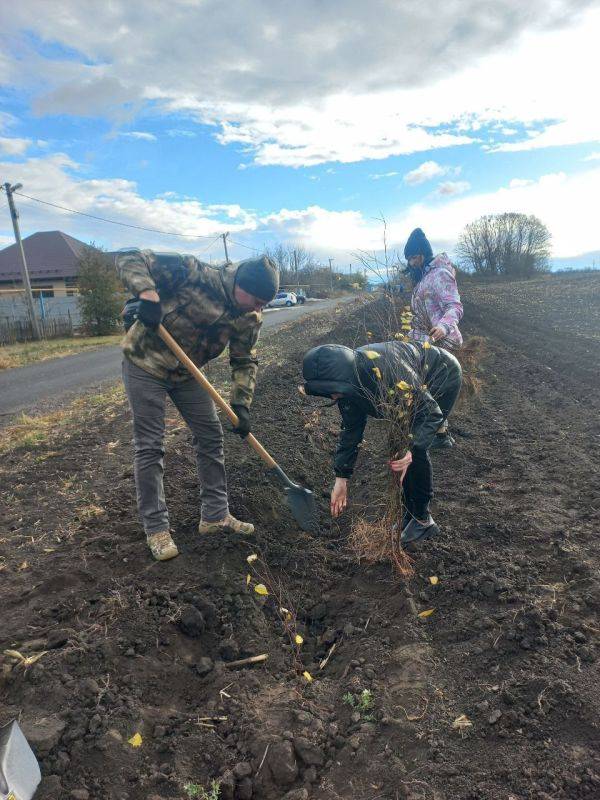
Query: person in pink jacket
435,304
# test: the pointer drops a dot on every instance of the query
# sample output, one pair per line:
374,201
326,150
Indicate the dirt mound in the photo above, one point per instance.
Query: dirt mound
493,694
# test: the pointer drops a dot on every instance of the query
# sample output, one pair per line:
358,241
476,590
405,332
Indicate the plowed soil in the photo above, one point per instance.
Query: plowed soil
495,694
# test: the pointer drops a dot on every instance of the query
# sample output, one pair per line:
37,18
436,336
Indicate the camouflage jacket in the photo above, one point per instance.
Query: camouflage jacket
198,311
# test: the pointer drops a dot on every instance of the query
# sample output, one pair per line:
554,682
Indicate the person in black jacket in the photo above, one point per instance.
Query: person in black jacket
364,383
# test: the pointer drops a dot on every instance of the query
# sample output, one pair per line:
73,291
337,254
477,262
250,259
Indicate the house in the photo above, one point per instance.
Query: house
52,261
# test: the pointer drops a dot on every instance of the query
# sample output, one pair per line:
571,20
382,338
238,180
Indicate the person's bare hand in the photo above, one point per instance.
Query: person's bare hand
149,294
401,465
437,332
339,497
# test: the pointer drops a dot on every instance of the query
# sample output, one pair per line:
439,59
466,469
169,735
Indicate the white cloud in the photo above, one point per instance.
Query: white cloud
450,188
342,81
593,157
12,146
379,175
56,178
424,172
180,133
141,135
565,203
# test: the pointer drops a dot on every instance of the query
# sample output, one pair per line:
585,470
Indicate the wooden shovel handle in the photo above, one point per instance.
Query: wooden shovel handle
210,389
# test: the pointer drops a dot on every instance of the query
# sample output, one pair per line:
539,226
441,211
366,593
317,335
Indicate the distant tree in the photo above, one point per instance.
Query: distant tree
100,293
514,245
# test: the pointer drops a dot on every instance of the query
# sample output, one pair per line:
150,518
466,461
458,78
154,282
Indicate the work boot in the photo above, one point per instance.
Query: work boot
162,545
228,525
419,531
442,441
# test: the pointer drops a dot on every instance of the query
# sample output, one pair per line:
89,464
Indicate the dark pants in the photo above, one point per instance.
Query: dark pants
418,484
147,397
444,381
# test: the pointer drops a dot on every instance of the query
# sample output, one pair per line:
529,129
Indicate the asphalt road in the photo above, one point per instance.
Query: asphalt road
47,385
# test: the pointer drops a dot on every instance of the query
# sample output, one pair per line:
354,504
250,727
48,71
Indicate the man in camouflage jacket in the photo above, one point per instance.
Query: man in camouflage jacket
205,309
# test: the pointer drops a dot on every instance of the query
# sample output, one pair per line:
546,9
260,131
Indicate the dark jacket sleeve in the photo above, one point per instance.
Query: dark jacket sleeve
353,427
428,418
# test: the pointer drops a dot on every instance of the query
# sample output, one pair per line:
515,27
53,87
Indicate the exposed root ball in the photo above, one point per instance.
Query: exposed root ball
378,541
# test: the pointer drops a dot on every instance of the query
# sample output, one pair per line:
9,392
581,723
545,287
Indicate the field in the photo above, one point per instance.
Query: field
19,355
493,696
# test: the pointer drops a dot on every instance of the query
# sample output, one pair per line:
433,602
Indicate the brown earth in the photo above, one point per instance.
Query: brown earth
493,695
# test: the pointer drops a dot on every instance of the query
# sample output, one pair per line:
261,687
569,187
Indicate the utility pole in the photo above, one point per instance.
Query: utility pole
331,274
224,237
35,328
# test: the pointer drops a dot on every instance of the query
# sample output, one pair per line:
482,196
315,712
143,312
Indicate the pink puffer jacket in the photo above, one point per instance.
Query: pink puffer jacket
436,301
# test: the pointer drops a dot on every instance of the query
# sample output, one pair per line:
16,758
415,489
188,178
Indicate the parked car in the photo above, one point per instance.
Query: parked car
283,299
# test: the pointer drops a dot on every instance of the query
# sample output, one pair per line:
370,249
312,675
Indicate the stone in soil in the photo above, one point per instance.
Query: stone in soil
192,622
57,638
282,763
309,753
204,665
44,733
296,794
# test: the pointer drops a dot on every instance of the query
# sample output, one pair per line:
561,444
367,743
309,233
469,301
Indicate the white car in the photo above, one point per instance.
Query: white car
283,299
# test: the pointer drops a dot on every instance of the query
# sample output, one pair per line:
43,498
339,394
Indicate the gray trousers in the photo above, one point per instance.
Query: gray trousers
147,397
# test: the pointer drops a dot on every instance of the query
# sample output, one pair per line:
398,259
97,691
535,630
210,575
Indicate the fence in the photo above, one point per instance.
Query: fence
20,330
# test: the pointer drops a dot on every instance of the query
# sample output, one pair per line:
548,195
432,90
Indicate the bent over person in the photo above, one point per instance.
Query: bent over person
204,309
361,390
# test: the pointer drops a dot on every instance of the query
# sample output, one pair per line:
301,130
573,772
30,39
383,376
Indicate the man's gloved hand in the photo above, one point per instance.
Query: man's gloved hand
149,313
243,426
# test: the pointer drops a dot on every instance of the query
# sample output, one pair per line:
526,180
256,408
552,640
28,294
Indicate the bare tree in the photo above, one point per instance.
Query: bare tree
511,244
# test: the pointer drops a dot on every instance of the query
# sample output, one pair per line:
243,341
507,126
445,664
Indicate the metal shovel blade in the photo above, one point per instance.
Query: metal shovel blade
301,502
19,770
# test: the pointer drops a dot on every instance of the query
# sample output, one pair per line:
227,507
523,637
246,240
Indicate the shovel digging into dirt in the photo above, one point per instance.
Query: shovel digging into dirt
19,769
300,500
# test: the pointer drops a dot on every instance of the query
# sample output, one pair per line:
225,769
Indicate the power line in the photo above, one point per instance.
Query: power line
136,227
245,245
116,222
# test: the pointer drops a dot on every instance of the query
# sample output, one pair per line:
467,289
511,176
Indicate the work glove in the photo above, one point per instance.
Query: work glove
243,427
149,313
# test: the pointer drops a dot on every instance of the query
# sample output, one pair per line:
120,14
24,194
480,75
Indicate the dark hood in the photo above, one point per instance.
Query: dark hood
332,369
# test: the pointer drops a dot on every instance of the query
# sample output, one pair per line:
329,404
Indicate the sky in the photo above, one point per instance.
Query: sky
305,123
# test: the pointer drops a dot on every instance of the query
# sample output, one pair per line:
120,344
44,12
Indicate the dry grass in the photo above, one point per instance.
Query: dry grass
31,433
19,355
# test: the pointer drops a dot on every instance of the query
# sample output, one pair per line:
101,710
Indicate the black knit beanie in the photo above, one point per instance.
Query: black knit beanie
258,277
418,245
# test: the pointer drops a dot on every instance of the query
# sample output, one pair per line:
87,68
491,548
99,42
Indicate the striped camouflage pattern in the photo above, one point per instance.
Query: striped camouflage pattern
198,311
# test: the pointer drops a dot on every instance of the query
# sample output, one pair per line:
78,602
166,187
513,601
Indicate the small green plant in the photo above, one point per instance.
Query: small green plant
363,703
197,792
365,700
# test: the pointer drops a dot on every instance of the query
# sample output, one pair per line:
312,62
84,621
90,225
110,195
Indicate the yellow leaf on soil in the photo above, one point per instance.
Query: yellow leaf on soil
462,722
371,354
403,385
298,639
426,345
136,740
248,579
427,613
433,580
252,558
307,676
377,372
261,589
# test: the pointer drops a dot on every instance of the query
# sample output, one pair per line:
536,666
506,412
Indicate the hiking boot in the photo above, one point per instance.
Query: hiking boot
228,525
417,531
162,545
442,441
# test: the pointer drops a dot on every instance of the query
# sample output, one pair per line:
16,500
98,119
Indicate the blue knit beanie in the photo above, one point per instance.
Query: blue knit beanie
418,245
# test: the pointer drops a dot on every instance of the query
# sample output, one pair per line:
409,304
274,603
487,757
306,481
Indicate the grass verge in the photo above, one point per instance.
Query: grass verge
34,433
23,353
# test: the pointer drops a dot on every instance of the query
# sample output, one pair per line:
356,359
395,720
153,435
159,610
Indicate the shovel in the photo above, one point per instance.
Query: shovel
19,769
300,500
